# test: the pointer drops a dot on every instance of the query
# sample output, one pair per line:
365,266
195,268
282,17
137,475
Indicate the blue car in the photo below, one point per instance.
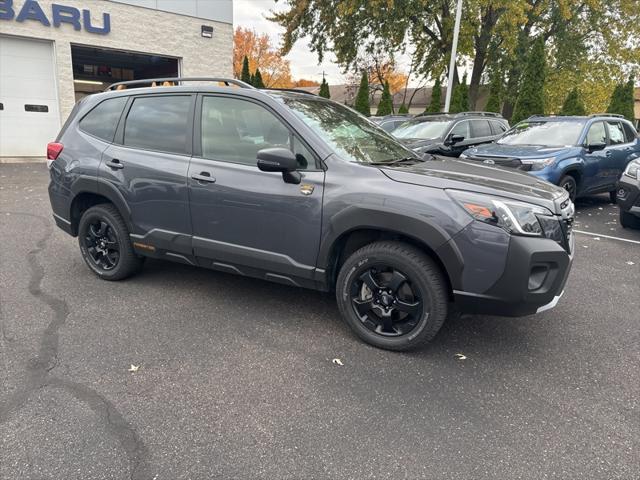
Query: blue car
584,155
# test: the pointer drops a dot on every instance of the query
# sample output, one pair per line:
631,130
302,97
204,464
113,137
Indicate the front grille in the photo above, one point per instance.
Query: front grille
510,162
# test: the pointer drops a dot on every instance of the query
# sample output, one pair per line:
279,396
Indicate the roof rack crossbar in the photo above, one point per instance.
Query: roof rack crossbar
479,113
149,81
295,90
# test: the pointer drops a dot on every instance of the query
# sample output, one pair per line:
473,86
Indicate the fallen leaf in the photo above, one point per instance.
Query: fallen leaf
585,246
630,263
460,356
134,368
338,362
596,238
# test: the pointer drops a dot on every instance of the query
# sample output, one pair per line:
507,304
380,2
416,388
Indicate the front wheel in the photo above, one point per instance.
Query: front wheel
392,295
105,244
570,185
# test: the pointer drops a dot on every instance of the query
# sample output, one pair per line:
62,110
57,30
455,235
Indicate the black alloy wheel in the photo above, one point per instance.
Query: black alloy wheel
385,301
569,184
101,242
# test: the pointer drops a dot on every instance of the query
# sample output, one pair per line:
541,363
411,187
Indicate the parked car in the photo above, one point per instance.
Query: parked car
303,191
629,195
584,155
450,134
390,122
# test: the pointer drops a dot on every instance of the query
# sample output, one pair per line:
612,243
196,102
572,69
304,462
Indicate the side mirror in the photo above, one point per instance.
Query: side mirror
279,160
594,147
452,139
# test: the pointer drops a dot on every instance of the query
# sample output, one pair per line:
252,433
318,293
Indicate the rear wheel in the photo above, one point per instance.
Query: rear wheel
628,220
570,185
392,295
105,244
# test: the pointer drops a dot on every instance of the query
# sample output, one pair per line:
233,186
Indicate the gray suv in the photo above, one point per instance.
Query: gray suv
300,190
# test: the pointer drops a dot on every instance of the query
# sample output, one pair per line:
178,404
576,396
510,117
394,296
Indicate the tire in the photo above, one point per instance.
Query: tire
570,185
408,317
628,220
95,239
613,196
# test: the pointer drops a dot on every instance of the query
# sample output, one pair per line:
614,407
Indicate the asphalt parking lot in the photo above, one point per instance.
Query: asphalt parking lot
236,379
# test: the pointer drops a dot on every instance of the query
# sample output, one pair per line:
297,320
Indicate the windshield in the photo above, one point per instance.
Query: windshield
548,134
351,135
422,130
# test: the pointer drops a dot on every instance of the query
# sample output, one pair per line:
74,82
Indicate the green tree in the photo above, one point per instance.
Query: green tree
435,105
257,79
403,109
460,97
496,92
362,98
531,94
385,107
573,105
245,76
622,100
324,89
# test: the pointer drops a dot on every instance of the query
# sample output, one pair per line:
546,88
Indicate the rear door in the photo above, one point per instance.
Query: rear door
148,165
481,131
245,220
619,152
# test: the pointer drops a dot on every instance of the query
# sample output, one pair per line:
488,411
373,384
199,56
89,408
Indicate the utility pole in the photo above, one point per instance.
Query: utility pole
454,52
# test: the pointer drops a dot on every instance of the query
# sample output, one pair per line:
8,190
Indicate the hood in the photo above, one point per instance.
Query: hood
519,151
480,178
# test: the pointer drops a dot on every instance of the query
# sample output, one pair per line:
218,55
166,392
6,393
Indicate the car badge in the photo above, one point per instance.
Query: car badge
306,189
489,162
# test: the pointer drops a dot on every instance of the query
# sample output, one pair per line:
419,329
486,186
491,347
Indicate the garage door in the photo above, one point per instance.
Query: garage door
29,116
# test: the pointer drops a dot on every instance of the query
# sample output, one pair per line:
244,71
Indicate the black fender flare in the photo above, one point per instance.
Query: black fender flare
354,217
98,186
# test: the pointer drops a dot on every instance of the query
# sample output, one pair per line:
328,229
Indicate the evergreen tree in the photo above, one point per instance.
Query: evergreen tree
435,105
403,109
385,107
245,76
573,105
460,97
531,91
324,89
622,101
362,98
496,92
257,79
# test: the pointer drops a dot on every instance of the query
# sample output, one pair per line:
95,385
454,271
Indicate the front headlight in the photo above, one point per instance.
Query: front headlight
633,170
538,163
515,217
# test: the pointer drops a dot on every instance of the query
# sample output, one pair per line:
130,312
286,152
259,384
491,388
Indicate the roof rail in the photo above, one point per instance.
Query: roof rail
614,115
159,81
480,114
294,90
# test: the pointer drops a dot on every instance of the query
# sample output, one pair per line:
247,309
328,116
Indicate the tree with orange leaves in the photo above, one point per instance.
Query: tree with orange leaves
275,70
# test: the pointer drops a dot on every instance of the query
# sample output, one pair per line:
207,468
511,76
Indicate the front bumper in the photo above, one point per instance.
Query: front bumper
533,280
629,195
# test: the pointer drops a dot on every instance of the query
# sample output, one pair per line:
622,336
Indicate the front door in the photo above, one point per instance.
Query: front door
245,220
593,178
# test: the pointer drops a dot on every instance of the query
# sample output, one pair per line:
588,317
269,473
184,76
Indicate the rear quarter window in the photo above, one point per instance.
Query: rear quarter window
102,121
629,132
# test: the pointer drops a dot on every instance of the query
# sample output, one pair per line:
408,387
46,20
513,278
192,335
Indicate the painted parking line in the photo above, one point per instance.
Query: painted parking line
607,236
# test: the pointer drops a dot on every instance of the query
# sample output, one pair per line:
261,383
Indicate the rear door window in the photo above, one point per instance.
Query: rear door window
480,128
159,123
102,121
497,127
616,133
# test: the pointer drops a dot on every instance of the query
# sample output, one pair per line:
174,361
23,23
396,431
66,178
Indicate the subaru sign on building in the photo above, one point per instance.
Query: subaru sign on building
54,52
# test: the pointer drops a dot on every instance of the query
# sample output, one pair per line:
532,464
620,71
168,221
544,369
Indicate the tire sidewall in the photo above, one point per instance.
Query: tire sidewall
96,213
359,263
569,178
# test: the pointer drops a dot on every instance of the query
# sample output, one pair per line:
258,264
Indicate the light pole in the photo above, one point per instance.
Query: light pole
454,52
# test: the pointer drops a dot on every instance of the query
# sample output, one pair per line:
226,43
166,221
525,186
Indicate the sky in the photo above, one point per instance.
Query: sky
304,63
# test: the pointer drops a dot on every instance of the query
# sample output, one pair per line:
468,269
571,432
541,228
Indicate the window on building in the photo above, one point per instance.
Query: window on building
159,123
102,121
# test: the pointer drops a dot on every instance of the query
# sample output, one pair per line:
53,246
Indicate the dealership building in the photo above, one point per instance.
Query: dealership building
52,53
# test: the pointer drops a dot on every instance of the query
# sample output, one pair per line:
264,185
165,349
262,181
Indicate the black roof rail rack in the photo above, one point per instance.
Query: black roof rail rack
480,114
160,81
614,115
294,90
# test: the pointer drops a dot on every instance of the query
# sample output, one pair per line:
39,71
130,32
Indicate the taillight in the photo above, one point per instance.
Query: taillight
53,152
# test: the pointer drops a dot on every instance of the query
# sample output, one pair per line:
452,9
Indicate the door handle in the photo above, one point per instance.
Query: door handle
115,164
203,177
